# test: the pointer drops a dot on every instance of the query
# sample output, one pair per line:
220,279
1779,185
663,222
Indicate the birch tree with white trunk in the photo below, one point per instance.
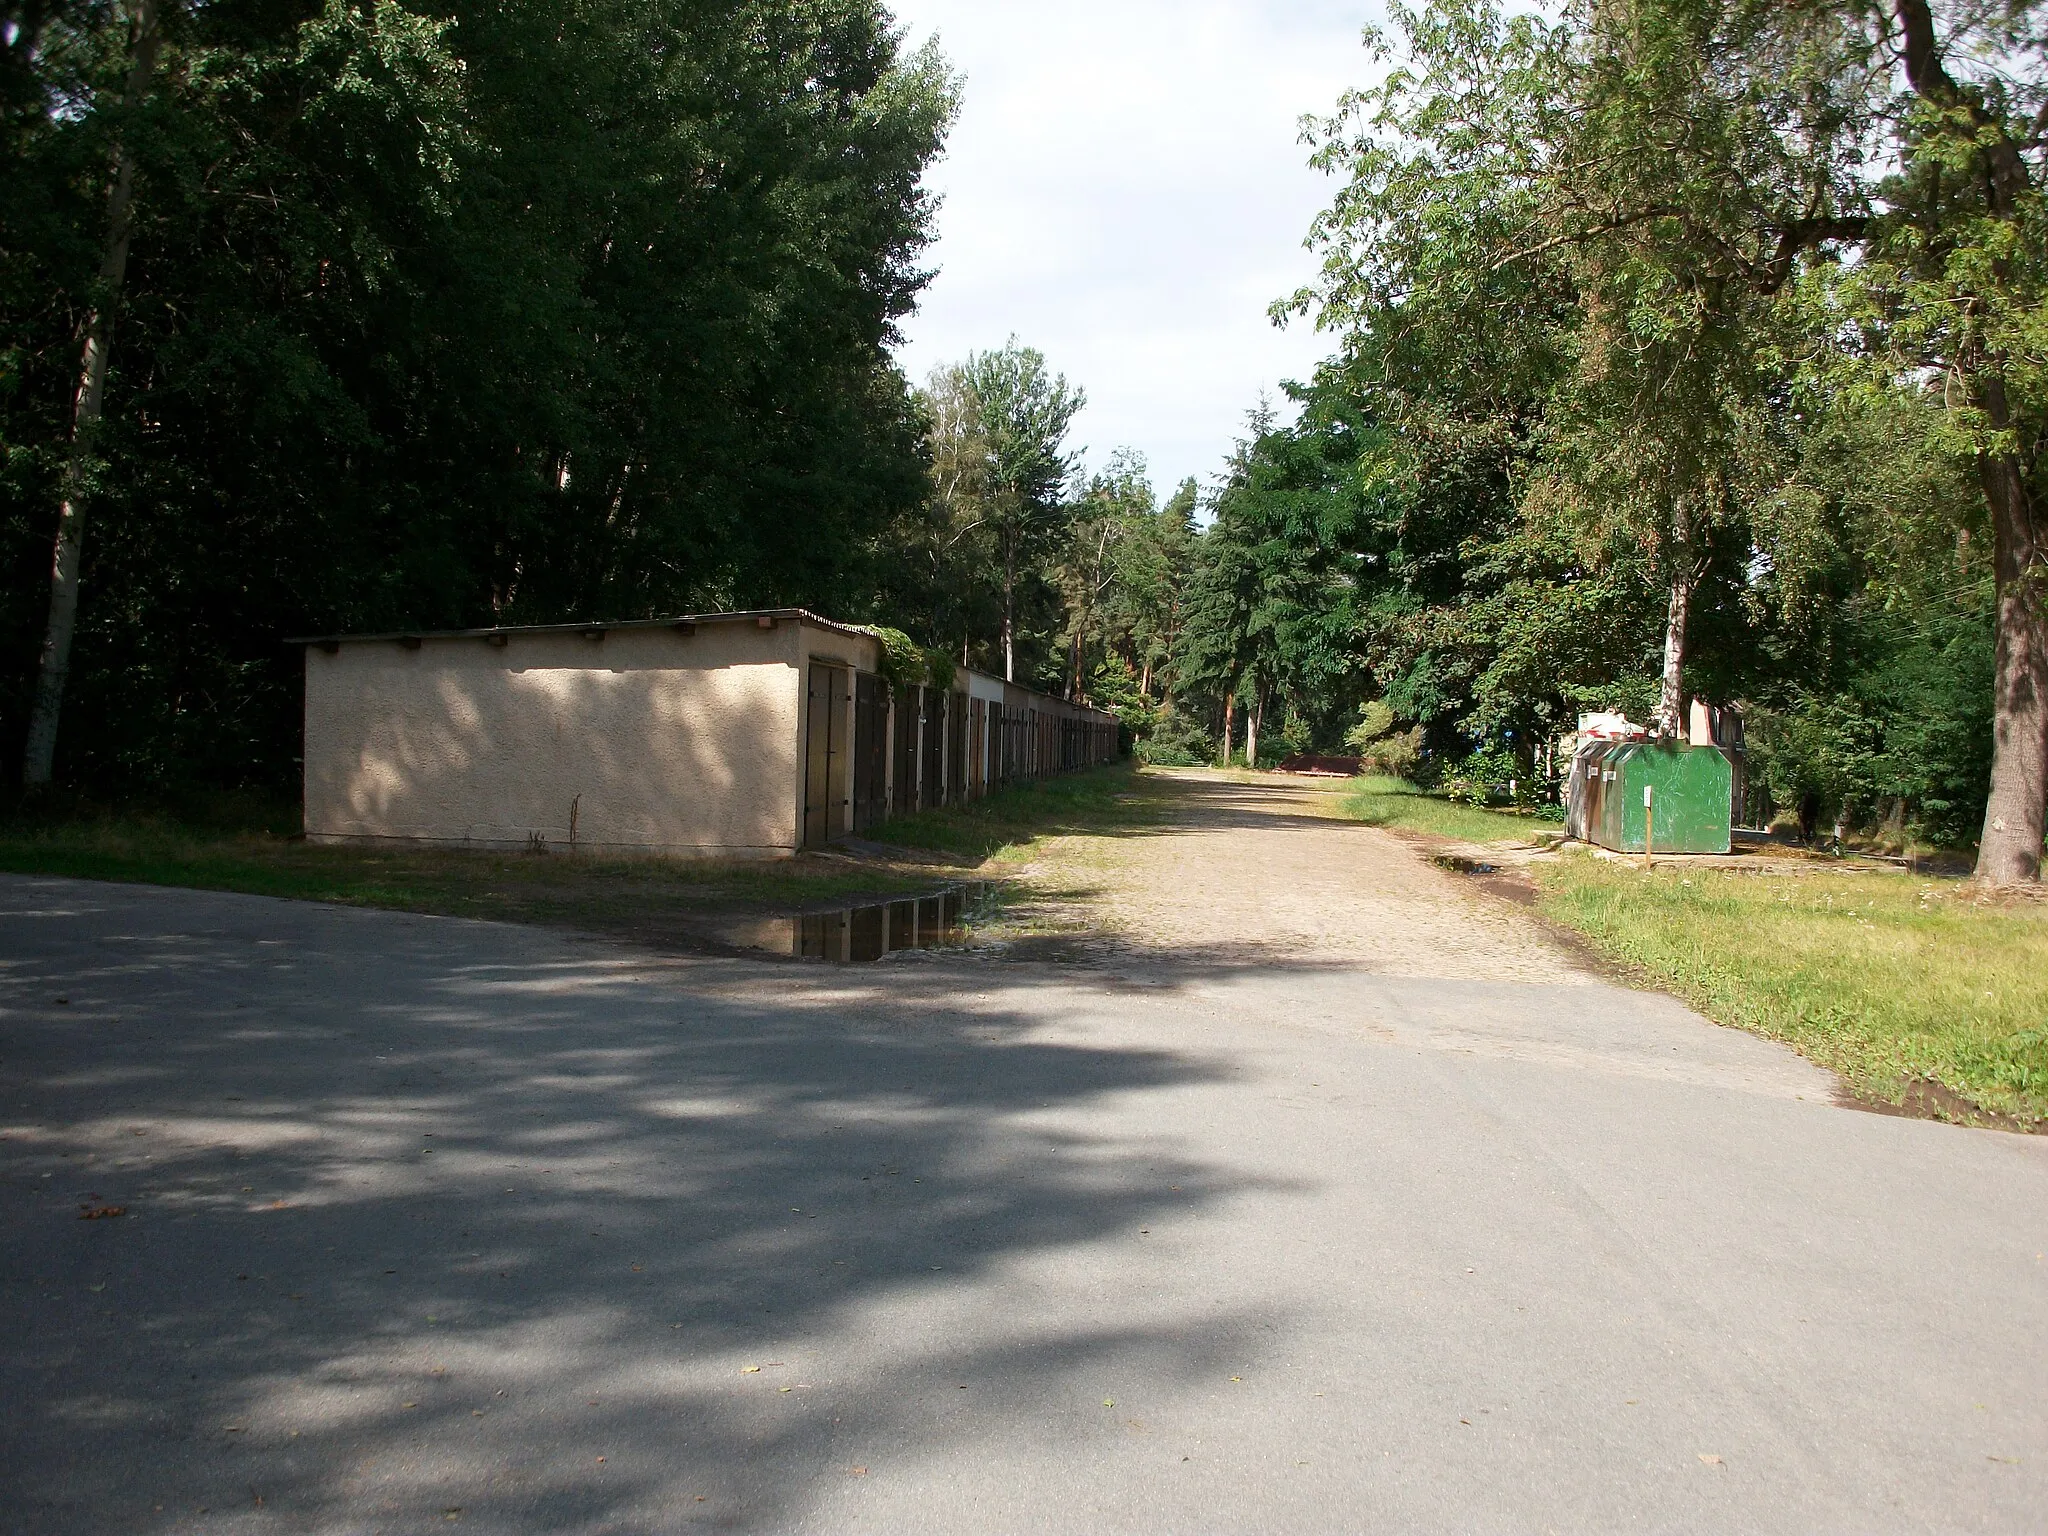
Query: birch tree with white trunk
145,18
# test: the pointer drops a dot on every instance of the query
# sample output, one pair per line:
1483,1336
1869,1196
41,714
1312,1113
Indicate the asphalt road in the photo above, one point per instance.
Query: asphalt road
437,1225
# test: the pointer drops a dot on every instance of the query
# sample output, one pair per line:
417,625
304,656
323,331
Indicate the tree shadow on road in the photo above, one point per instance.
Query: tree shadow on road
430,1221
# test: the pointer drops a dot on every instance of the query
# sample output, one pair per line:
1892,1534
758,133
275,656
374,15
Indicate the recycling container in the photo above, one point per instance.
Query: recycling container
1690,789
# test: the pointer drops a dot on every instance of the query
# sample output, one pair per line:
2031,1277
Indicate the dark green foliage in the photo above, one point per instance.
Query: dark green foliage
1637,432
1273,596
1898,726
1178,740
546,310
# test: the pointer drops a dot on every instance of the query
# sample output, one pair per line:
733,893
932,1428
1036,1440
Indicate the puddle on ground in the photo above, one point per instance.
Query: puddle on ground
861,935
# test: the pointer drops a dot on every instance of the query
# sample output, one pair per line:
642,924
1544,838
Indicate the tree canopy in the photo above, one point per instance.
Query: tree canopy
516,312
1677,349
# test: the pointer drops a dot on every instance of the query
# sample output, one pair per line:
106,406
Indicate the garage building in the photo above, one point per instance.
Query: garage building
731,735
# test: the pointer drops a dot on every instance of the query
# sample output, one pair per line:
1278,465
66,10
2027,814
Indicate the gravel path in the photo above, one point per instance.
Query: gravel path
1271,871
1266,1220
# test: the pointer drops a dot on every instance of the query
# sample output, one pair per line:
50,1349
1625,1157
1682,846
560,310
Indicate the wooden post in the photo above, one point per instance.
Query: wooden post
1649,828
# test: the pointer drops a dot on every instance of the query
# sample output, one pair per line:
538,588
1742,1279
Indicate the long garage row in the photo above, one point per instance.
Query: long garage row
730,735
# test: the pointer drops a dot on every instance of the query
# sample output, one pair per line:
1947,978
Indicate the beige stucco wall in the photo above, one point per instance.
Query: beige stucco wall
660,742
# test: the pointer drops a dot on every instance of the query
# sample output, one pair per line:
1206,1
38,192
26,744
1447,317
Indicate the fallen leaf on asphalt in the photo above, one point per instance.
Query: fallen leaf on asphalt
102,1212
857,1471
1109,1402
750,1370
1712,1461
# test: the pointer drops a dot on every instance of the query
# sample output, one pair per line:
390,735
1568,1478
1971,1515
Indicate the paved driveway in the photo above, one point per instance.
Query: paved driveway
432,1224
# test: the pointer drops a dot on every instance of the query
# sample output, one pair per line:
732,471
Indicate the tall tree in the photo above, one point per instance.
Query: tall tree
1958,267
933,560
1115,512
570,308
1598,248
1152,580
145,27
1026,415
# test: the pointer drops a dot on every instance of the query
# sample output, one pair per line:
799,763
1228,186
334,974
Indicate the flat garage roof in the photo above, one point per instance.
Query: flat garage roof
776,615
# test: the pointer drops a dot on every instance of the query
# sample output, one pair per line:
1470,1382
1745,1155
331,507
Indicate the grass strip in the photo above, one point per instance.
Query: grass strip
1395,803
611,895
1888,980
1884,979
1005,825
251,846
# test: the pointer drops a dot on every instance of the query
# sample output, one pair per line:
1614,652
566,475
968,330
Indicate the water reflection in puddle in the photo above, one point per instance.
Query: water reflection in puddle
859,935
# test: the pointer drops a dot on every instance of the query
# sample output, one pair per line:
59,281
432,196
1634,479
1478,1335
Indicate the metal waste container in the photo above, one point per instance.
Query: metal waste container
1689,788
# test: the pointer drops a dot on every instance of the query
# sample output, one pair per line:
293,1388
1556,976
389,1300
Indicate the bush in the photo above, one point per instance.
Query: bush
1115,688
1482,778
1177,741
904,664
1381,748
1396,755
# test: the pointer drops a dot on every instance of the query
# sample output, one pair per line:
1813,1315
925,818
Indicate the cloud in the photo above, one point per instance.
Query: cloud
1126,191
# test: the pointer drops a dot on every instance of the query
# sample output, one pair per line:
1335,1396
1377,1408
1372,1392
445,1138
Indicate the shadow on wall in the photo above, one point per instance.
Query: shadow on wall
408,1235
458,742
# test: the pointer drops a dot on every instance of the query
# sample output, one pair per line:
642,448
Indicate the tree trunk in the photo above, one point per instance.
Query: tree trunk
39,757
1670,722
1251,729
1671,701
1229,723
1145,682
2010,851
1009,611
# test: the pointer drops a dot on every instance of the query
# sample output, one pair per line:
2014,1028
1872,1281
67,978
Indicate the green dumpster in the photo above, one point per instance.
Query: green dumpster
1690,788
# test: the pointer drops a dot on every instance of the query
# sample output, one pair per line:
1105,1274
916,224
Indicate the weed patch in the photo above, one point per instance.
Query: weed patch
1005,824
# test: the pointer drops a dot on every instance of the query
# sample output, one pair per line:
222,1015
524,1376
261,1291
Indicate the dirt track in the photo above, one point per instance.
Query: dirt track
1269,871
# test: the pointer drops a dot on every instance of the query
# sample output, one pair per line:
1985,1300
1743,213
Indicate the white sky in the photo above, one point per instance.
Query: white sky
1125,191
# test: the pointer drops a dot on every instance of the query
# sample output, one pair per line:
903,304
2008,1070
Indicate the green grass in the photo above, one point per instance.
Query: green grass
1886,980
1395,803
248,845
253,854
1004,825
